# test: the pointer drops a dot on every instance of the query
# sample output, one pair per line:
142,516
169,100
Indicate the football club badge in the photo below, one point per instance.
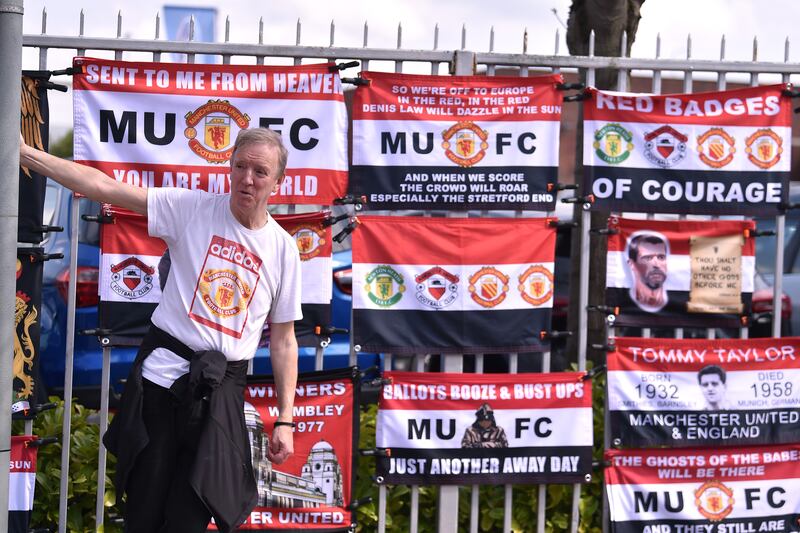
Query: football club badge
217,117
665,147
714,500
465,143
716,147
488,286
384,286
536,285
436,288
613,143
764,148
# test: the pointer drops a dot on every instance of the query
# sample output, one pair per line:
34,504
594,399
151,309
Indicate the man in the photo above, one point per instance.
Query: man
647,260
712,382
484,432
180,439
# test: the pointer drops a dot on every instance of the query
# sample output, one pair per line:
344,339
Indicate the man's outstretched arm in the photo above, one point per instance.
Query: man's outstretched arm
283,356
87,181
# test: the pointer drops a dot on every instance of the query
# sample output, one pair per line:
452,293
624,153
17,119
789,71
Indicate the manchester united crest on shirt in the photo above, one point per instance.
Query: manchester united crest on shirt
436,287
465,143
132,278
488,286
764,148
716,147
665,147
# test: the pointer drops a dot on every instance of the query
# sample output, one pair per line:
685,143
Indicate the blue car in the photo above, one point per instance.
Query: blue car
88,351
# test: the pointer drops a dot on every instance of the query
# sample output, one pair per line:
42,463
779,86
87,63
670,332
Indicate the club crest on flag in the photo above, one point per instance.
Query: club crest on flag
132,278
25,315
216,117
488,286
613,143
716,147
384,286
764,148
536,285
714,500
465,143
309,239
665,146
224,293
436,287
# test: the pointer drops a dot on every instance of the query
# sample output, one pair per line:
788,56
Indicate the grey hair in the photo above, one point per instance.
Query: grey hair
263,136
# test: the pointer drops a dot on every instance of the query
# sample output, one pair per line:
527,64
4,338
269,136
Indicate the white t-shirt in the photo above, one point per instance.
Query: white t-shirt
225,280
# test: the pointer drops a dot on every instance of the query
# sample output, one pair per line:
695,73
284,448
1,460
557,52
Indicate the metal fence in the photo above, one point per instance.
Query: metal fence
456,62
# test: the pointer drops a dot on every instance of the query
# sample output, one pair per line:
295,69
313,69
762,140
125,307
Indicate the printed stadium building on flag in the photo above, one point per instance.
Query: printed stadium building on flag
315,245
717,153
174,125
446,285
699,392
456,142
680,273
729,490
485,429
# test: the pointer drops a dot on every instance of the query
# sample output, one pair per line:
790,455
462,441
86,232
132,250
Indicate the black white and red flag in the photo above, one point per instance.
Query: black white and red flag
713,153
680,273
313,489
35,129
314,241
732,490
699,392
487,429
174,125
129,280
456,142
28,385
21,483
447,285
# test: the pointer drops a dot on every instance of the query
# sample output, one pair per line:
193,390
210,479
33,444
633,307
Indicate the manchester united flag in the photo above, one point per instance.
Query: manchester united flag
680,273
447,285
129,278
21,483
28,385
35,128
456,142
725,152
730,490
174,125
699,392
315,244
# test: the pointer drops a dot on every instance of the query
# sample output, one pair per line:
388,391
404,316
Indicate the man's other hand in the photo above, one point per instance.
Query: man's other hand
281,445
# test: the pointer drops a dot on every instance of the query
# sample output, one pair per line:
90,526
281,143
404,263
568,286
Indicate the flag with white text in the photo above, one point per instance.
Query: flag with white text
680,273
452,285
733,490
715,153
487,429
699,392
21,483
174,125
456,142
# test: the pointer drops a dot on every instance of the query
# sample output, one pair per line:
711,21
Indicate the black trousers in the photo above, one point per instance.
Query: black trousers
159,496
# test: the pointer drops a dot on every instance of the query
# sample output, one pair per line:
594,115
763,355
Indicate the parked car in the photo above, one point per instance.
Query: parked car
88,352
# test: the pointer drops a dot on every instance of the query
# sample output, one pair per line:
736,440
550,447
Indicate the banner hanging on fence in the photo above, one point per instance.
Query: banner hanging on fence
714,153
456,142
680,273
21,483
489,429
314,241
729,490
314,487
129,283
174,125
29,387
700,392
35,128
447,285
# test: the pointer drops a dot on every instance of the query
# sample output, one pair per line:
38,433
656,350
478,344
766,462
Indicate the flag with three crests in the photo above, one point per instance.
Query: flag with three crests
175,124
314,242
720,490
129,283
681,273
456,142
447,285
21,483
715,153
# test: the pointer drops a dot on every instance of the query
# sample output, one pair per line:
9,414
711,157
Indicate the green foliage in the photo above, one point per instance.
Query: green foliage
82,484
558,500
63,146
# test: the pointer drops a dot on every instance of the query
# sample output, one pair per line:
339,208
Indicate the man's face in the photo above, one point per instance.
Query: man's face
713,388
651,264
485,423
253,178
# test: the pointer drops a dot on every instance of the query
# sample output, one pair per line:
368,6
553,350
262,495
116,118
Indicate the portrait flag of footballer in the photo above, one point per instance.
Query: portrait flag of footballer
699,392
680,273
28,386
728,490
456,142
313,489
452,285
487,429
314,243
713,153
21,483
129,279
175,124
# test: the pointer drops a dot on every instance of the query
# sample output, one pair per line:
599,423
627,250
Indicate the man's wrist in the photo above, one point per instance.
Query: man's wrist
284,423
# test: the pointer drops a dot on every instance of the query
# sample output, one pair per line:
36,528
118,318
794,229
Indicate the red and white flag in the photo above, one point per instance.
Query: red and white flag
447,285
21,483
